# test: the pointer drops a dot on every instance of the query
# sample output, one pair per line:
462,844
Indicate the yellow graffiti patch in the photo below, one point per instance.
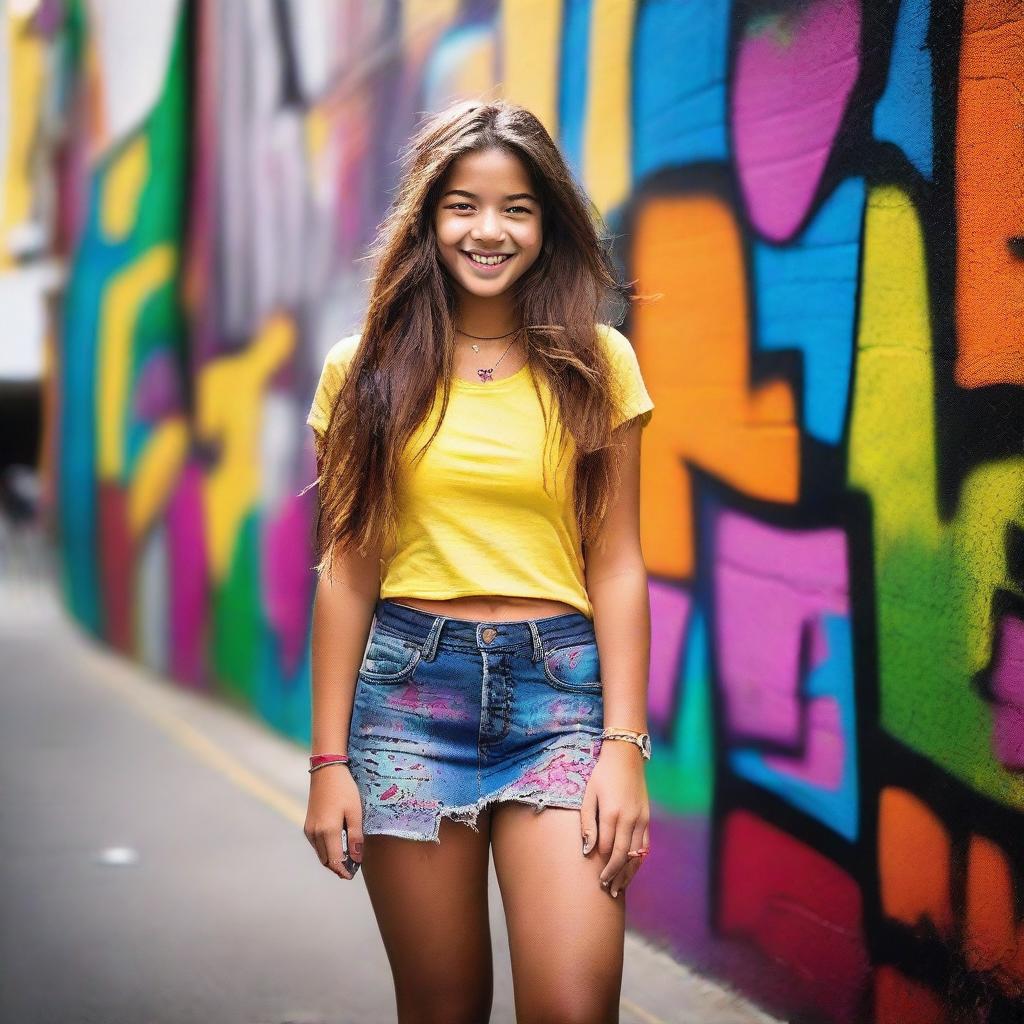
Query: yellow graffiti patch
119,313
607,142
156,473
25,81
531,37
894,420
119,206
229,407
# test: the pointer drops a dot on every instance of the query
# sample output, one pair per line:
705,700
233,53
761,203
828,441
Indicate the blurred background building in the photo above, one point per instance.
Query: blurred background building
827,196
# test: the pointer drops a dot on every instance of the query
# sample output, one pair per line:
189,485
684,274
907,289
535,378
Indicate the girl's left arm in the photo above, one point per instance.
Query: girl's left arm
616,809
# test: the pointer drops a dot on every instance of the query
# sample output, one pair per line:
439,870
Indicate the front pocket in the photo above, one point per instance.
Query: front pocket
575,667
389,658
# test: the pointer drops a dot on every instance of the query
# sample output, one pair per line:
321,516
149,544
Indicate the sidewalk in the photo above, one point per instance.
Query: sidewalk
154,867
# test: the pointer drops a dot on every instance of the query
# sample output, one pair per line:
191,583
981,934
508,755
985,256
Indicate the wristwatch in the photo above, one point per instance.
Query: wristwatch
641,739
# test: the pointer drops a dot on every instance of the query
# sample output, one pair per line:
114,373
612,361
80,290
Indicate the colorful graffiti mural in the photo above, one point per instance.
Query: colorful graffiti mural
825,198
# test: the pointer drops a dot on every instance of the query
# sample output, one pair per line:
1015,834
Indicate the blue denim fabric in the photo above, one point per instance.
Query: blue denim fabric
453,714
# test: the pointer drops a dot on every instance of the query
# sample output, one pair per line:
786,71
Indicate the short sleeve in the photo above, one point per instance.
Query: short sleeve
332,376
630,381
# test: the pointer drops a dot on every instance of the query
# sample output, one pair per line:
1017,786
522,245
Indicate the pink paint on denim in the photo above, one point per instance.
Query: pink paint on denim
670,619
794,75
410,697
559,709
563,775
770,585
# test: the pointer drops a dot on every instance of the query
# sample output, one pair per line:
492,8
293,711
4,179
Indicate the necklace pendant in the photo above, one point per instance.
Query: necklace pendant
476,348
485,374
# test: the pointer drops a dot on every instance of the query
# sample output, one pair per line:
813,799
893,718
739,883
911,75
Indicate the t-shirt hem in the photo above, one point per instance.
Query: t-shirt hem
441,595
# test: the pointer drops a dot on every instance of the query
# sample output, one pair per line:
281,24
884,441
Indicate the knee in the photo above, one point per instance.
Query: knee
465,1008
571,1008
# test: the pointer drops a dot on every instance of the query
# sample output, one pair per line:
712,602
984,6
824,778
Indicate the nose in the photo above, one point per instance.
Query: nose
488,226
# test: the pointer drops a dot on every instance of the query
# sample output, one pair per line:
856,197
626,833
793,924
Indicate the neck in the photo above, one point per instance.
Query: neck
486,317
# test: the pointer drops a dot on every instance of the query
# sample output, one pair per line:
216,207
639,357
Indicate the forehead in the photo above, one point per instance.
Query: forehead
491,173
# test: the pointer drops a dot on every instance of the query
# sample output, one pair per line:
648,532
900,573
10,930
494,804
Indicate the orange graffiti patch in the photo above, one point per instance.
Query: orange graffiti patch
693,345
989,196
913,861
992,939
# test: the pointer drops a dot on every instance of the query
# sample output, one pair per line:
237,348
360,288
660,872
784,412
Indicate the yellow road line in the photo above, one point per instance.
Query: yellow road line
215,756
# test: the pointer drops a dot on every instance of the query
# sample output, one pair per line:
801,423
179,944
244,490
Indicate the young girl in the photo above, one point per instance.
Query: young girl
481,625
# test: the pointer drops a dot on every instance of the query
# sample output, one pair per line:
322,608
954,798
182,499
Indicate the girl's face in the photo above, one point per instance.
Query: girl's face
488,207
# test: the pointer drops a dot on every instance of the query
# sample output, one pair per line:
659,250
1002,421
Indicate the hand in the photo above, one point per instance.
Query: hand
334,805
617,795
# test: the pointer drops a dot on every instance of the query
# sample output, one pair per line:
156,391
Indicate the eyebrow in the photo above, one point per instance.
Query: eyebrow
473,195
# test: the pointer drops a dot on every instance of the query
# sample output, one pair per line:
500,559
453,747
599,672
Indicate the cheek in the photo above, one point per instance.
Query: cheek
530,240
447,230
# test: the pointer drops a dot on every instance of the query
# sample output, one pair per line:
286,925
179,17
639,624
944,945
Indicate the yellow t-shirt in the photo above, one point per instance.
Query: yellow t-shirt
475,516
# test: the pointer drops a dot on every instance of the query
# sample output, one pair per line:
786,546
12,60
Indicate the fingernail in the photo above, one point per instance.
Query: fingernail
357,848
615,892
604,881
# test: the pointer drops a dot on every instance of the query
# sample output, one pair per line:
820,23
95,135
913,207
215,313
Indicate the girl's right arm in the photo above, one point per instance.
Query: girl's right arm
342,615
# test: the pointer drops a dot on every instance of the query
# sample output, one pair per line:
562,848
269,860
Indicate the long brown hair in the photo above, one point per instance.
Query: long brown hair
408,338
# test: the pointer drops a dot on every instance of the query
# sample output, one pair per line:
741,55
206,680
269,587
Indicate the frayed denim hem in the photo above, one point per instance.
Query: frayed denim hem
533,787
468,814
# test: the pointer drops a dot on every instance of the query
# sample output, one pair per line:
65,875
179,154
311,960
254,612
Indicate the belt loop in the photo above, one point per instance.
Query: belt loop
430,644
538,646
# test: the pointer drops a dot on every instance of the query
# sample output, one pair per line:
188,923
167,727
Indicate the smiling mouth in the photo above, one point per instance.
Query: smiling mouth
488,261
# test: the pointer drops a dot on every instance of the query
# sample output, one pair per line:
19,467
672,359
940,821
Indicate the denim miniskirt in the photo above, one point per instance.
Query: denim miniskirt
451,715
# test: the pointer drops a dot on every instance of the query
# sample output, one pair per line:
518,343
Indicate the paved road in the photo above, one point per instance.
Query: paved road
153,868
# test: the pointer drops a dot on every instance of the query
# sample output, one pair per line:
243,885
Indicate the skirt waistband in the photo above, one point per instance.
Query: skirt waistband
427,629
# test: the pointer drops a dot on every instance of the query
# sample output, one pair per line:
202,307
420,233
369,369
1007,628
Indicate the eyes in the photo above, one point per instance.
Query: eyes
455,206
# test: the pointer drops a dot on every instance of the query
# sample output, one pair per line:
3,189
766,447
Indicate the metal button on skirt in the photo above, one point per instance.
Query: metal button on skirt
451,715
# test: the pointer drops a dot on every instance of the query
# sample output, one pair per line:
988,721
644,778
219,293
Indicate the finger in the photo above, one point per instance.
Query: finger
623,834
588,820
335,853
629,869
606,824
638,862
354,825
320,845
620,859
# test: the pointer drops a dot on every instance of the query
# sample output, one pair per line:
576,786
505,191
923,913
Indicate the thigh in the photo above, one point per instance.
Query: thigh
566,933
430,901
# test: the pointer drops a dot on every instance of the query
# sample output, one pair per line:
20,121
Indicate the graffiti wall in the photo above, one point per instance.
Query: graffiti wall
824,203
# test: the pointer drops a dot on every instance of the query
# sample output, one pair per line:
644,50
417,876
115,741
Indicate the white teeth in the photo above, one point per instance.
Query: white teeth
487,261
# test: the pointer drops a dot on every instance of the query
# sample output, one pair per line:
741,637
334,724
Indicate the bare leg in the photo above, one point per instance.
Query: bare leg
566,933
430,901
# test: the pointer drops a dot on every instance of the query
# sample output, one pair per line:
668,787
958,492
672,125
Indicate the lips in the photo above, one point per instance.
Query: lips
487,267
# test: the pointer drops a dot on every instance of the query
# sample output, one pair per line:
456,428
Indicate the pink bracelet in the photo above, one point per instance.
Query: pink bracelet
322,760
